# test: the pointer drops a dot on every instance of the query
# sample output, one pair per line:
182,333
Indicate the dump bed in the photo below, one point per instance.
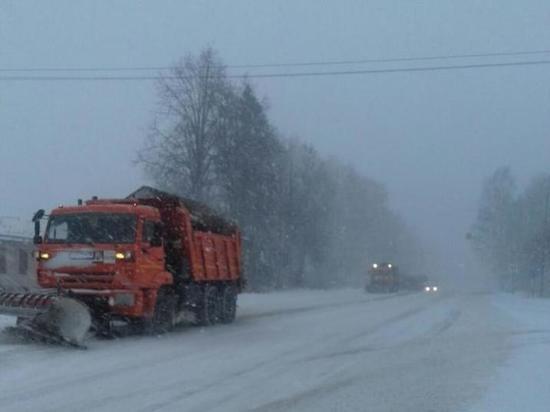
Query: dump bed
205,246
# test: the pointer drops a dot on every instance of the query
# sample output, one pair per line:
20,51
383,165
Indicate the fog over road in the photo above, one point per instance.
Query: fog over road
302,350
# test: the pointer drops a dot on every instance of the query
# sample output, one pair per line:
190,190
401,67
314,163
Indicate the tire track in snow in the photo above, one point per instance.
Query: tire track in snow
291,402
45,389
285,364
446,324
275,358
311,308
366,348
437,329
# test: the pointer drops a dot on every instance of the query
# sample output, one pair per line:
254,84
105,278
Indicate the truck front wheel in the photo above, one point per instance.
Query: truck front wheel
164,318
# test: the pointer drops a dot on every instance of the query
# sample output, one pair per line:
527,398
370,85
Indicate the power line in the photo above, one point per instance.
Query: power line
84,69
394,59
286,75
289,64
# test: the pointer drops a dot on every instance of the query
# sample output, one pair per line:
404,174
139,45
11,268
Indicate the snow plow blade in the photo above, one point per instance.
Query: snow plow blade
57,317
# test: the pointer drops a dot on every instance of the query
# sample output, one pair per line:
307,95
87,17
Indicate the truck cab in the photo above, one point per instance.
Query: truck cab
111,253
152,257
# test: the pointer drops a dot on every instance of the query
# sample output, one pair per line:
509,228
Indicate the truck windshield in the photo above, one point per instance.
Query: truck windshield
91,228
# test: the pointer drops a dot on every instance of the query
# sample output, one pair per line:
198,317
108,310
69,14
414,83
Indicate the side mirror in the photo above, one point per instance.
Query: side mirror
37,239
38,215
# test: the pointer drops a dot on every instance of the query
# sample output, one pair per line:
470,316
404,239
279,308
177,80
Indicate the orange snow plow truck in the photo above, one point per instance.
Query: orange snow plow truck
151,260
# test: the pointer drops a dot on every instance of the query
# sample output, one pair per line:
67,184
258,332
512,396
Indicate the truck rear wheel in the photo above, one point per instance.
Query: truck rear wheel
228,305
209,310
212,301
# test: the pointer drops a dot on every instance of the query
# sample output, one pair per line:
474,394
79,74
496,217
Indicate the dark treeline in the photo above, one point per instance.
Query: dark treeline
306,221
511,234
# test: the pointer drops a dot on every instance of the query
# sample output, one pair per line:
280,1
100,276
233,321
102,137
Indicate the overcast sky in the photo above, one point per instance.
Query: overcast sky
430,137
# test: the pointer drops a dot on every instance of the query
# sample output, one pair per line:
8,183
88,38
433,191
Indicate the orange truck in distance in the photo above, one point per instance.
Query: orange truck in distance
383,277
152,259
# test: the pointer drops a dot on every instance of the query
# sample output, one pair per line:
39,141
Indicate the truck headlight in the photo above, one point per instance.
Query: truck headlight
427,288
124,255
41,255
434,288
375,265
389,265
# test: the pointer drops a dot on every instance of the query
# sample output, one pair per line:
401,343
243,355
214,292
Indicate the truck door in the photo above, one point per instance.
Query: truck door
151,247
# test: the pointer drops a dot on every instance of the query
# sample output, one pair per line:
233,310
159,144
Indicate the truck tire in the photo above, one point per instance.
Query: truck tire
209,310
102,326
228,305
213,305
164,318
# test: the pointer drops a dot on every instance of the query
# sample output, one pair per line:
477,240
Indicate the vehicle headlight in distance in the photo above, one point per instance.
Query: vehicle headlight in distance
435,288
427,288
375,265
389,265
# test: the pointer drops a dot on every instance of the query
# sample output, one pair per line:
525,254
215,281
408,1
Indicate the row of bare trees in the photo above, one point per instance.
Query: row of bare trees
306,221
511,234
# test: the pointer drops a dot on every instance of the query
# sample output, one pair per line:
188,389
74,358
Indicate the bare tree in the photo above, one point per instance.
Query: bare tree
306,221
511,234
181,145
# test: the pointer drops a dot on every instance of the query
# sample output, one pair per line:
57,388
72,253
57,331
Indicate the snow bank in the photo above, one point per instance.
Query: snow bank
522,384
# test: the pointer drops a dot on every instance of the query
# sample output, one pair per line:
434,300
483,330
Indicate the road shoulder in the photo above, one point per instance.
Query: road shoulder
521,382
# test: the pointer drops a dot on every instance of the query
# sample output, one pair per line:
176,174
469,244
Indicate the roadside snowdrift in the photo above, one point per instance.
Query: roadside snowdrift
523,383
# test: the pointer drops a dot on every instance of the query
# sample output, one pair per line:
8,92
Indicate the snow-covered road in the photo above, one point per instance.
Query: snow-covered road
303,350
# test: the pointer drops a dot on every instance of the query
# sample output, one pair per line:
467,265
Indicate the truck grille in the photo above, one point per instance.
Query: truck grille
86,280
